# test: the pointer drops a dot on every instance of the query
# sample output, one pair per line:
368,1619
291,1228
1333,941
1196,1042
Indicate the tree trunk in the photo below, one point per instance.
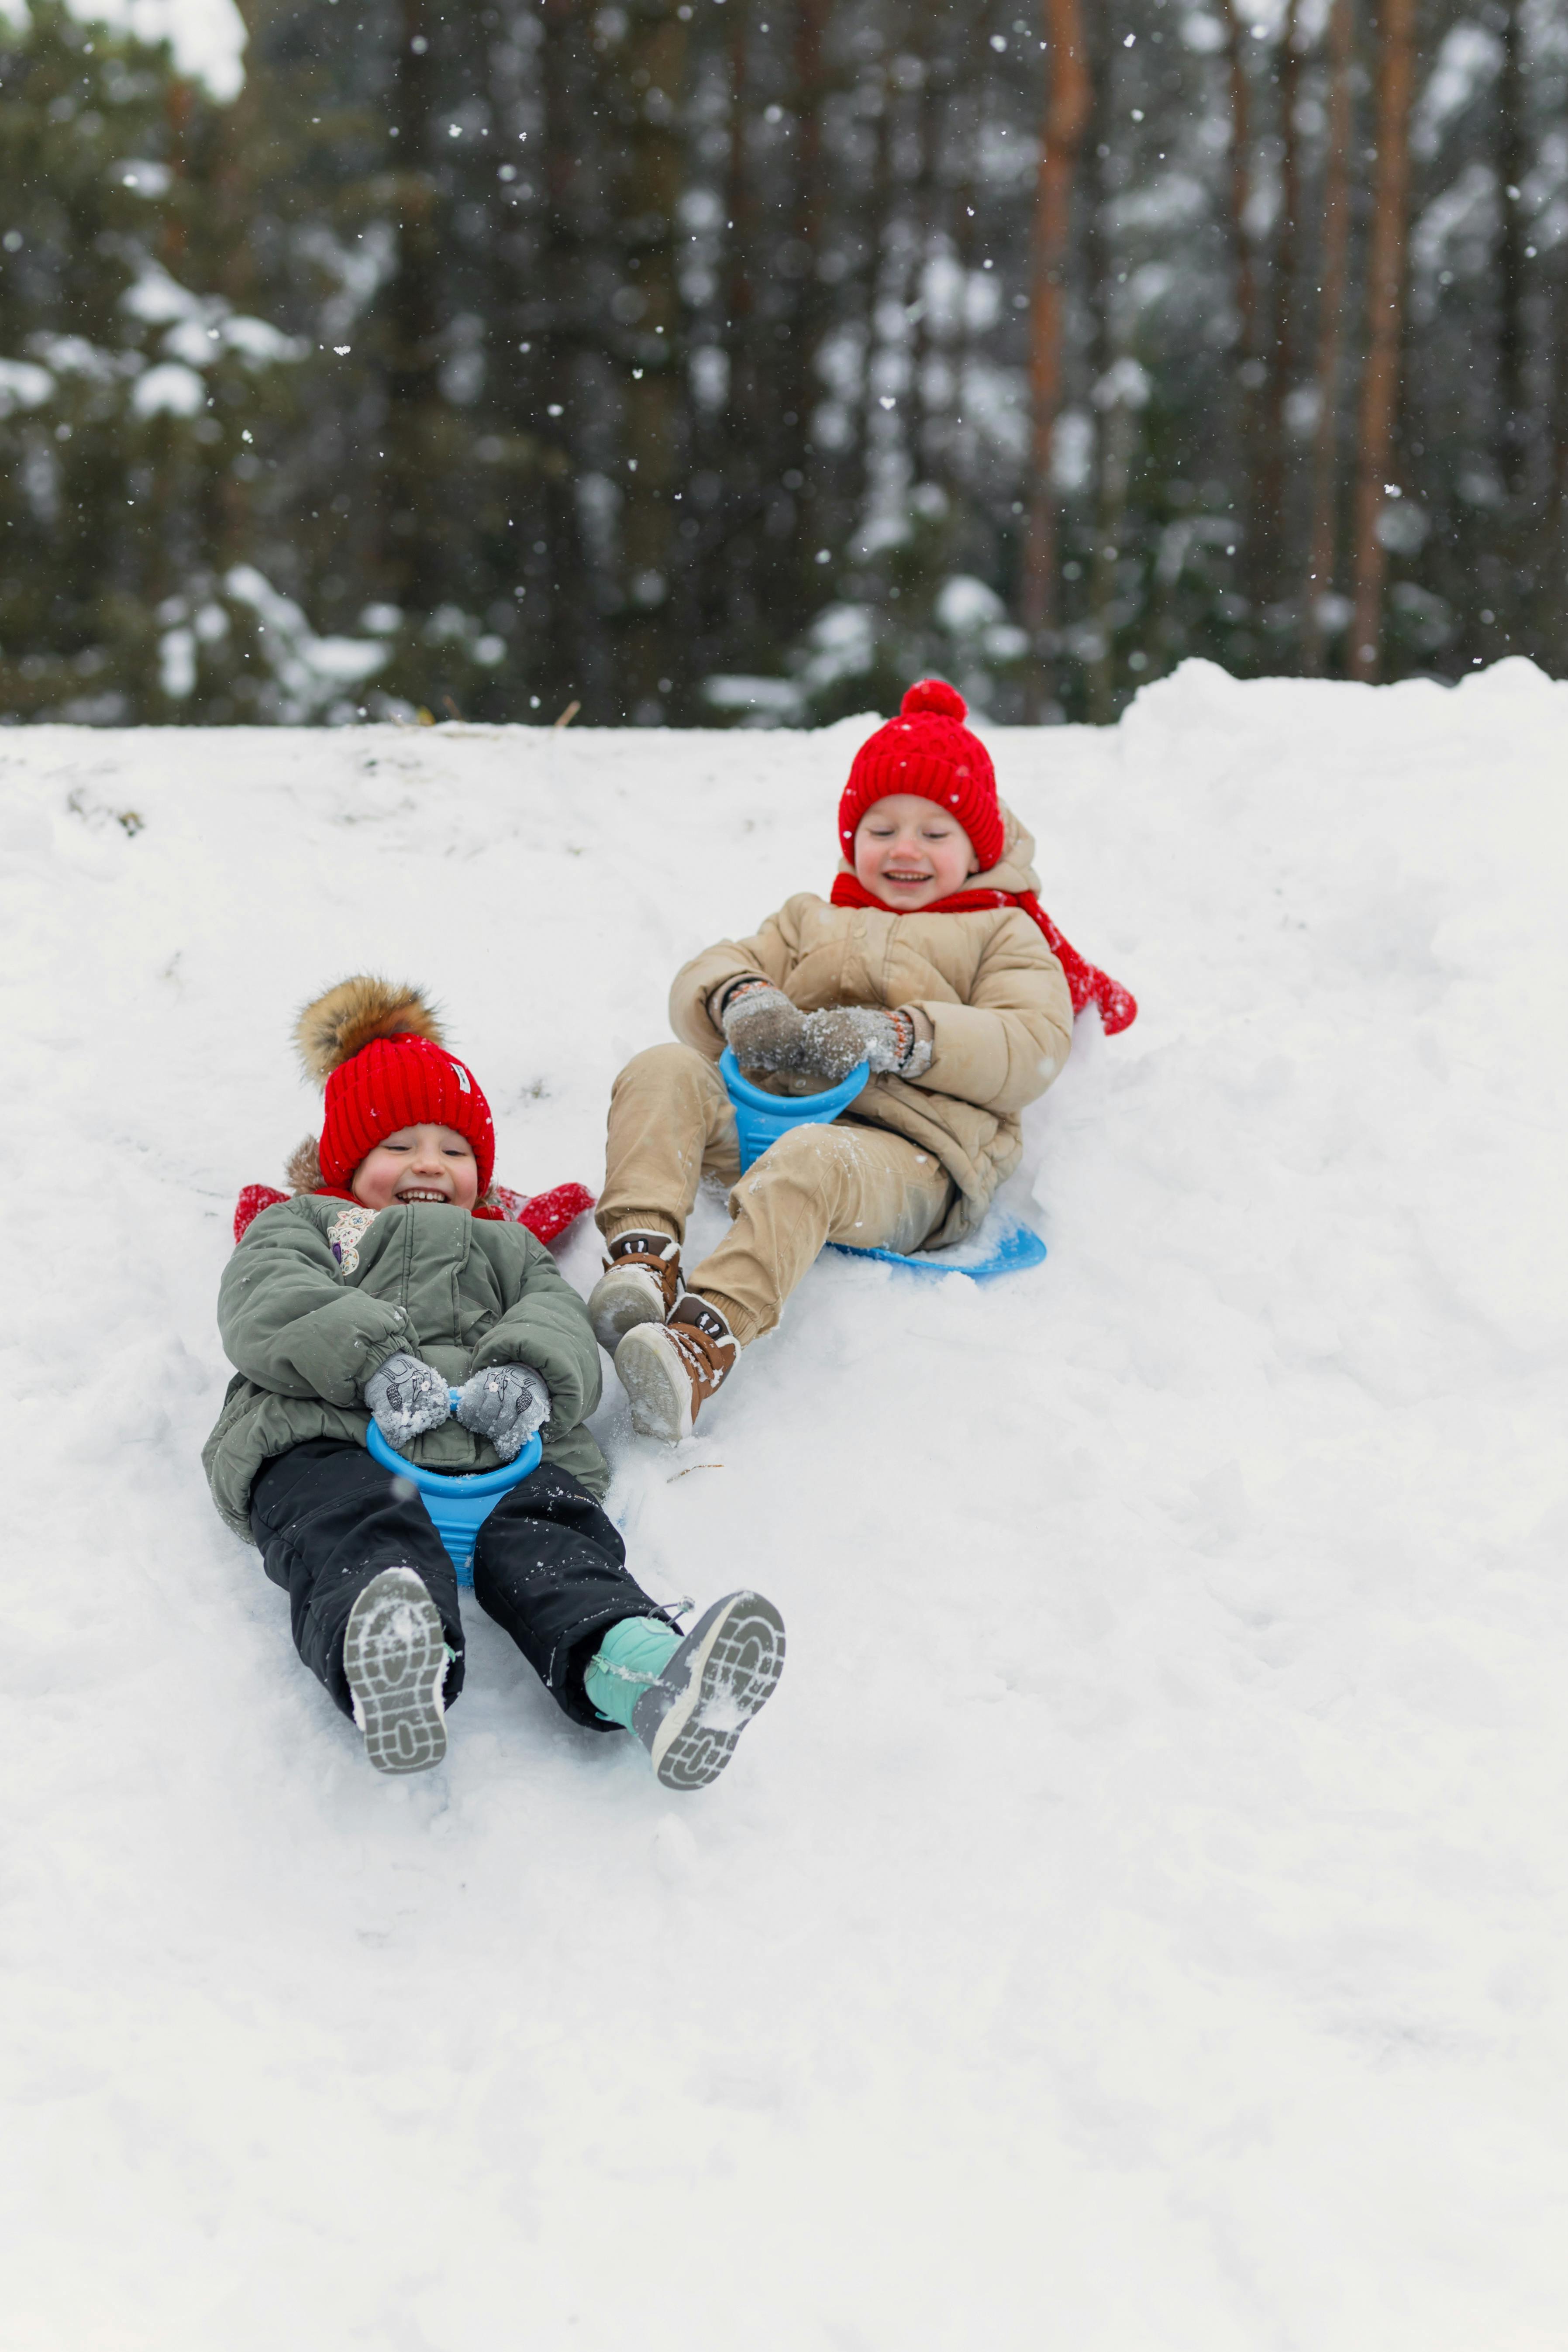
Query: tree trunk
806,326
1385,296
1067,116
411,469
1280,357
880,210
650,352
1334,276
1118,445
179,100
237,170
1511,587
570,629
744,421
935,98
1111,326
1555,568
1513,421
1246,403
961,437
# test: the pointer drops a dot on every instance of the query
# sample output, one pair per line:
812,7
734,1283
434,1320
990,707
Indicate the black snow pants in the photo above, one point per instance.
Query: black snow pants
548,1566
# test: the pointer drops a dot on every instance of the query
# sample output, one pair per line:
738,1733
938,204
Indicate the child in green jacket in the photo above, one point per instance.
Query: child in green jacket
390,1279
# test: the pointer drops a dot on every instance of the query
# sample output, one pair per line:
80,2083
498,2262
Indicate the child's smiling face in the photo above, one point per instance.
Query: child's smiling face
910,853
419,1163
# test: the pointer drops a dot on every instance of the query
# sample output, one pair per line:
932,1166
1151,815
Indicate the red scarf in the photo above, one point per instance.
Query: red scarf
1085,983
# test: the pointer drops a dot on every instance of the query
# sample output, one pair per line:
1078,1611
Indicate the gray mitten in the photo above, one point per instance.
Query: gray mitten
408,1398
836,1040
506,1404
762,1028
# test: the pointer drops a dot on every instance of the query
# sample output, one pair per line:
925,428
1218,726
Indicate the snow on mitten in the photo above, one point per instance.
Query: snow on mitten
762,1028
407,1398
836,1040
505,1403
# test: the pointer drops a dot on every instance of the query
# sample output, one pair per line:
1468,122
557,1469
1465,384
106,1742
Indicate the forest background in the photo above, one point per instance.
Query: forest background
712,360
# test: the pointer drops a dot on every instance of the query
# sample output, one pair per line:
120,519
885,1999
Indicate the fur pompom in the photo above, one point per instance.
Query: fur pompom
330,1031
303,1167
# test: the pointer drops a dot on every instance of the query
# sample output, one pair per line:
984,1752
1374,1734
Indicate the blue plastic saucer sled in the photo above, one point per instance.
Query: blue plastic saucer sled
459,1504
1002,1245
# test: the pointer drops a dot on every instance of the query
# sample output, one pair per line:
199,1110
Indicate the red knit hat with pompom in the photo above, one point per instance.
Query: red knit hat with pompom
928,751
379,1051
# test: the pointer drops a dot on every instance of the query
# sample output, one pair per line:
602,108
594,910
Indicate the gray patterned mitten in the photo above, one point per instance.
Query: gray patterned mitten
763,1027
408,1398
506,1404
835,1041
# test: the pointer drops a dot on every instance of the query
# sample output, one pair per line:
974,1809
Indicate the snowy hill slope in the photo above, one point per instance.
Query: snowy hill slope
1138,1921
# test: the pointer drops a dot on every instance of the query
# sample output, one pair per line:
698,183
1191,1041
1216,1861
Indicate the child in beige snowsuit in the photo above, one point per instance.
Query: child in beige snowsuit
932,962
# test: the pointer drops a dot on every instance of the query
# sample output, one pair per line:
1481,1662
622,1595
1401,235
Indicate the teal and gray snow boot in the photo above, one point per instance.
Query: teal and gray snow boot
689,1718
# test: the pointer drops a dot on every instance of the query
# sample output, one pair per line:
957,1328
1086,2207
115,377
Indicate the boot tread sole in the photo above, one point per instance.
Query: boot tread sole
395,1655
740,1660
657,1386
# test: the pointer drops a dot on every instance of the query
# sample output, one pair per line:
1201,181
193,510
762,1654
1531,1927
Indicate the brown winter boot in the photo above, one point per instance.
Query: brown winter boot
670,1370
640,1284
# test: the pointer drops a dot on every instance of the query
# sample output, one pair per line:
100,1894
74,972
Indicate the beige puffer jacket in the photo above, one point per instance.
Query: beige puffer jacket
999,1013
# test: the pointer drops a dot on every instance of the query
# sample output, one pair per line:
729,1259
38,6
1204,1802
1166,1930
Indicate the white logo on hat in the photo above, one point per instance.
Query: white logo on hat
462,1077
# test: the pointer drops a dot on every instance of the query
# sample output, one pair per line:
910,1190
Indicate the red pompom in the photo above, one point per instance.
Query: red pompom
935,694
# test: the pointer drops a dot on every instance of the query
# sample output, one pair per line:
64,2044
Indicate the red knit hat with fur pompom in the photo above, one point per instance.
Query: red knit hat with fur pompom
928,751
378,1050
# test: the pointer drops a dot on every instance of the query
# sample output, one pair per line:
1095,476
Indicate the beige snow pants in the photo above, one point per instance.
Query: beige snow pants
671,1123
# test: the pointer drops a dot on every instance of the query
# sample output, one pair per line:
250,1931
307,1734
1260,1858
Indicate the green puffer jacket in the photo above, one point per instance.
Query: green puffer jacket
321,1292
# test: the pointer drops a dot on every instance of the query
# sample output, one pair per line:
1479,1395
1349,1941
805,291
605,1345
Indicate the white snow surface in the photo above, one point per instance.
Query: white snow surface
1138,1923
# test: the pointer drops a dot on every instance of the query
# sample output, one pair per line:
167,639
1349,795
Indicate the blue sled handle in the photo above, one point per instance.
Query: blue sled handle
474,1484
761,1118
792,1110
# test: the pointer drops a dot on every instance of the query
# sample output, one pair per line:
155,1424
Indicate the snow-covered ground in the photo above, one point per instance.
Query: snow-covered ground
1138,1925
